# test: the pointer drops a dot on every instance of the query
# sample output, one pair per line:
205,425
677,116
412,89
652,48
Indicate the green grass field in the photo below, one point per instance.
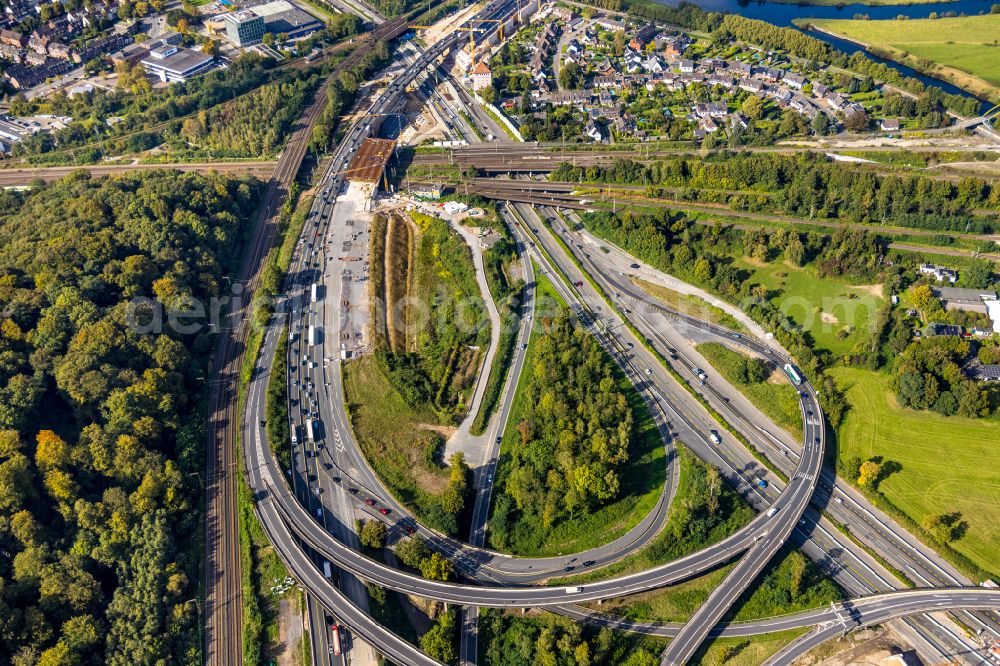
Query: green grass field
778,401
968,44
394,436
692,305
946,463
771,595
835,313
749,651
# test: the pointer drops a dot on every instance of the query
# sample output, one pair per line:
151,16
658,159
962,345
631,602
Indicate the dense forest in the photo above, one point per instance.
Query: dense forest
101,438
573,439
807,185
252,126
928,375
512,640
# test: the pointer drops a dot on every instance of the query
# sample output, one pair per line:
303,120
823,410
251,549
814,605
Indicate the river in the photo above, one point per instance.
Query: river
783,14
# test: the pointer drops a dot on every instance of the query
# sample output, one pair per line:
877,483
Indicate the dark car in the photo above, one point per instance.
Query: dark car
353,491
588,563
633,265
409,529
336,479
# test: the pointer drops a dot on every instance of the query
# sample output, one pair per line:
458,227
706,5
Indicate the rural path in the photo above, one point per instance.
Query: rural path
463,440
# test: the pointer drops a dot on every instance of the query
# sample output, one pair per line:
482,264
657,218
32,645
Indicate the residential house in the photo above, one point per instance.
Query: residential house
23,77
569,97
40,39
593,130
606,81
940,273
794,80
643,36
836,101
769,73
562,13
9,52
653,64
804,106
687,66
60,50
610,24
889,124
739,68
674,47
13,38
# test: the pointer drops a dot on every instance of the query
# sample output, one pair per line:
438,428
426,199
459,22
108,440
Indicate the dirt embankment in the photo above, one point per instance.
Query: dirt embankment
392,246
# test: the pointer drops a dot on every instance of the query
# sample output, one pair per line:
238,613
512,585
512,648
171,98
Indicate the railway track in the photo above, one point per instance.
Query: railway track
223,639
561,195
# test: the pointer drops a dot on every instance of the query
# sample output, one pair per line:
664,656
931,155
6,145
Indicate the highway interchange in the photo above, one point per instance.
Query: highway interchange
292,506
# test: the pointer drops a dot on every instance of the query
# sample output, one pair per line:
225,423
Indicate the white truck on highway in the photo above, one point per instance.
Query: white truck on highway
574,590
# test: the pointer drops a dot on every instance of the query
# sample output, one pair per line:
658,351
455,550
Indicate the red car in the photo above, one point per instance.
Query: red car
410,530
370,502
384,511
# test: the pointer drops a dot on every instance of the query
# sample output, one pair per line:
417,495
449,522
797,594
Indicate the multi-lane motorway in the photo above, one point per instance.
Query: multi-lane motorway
328,532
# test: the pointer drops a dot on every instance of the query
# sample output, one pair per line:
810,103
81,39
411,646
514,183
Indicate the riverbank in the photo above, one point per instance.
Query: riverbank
960,50
867,3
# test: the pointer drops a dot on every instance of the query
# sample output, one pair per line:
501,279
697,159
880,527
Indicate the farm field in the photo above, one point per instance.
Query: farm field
943,461
835,313
963,50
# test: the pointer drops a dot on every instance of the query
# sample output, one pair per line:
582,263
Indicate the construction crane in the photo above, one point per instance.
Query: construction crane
491,21
471,31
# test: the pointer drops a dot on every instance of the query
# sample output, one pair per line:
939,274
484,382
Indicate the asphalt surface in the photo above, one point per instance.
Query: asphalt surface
833,497
841,557
782,516
269,486
618,589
